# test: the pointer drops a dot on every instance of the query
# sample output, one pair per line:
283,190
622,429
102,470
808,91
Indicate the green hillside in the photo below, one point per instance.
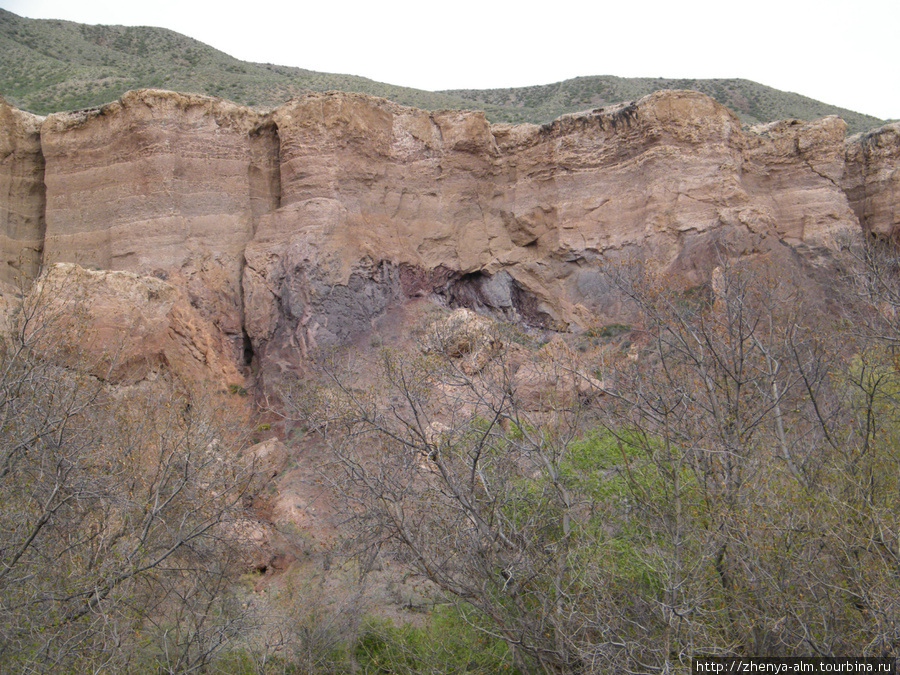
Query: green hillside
48,66
754,103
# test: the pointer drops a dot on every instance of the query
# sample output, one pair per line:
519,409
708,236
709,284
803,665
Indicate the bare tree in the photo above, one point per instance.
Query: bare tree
765,422
119,510
874,275
445,468
720,487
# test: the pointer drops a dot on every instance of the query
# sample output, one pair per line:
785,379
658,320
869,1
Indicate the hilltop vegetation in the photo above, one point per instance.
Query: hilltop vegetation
753,103
48,66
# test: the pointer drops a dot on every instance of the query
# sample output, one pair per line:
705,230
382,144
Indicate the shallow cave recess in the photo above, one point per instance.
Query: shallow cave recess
496,295
247,352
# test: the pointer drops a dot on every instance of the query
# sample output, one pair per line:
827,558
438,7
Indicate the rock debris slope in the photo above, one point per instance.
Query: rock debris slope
297,228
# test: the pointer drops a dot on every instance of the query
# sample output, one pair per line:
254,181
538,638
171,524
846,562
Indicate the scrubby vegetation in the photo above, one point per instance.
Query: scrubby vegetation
752,102
726,486
717,478
121,515
48,66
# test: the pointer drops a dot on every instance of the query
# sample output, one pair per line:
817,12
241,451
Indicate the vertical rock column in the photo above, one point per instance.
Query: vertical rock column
264,178
872,179
21,195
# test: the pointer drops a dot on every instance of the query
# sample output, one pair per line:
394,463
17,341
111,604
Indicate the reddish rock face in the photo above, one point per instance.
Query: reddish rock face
156,181
523,216
121,327
872,179
299,227
21,195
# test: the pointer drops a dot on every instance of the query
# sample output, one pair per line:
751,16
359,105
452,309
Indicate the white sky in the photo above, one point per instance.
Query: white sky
840,52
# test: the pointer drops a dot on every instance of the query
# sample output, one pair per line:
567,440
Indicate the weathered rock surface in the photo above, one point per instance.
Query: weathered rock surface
872,179
156,181
793,170
122,327
299,228
381,202
21,194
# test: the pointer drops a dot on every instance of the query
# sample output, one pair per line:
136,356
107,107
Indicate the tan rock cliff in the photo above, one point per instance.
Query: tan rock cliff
21,194
156,181
872,179
122,327
299,227
381,201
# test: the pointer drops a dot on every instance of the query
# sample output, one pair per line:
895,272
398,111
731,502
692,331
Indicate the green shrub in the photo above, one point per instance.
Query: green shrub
448,642
608,331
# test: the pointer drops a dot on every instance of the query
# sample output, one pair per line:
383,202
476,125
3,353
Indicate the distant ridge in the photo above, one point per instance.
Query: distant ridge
753,103
48,66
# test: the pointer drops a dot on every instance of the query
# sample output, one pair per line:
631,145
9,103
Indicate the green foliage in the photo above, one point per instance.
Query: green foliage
619,470
608,331
236,662
607,465
448,642
599,449
593,462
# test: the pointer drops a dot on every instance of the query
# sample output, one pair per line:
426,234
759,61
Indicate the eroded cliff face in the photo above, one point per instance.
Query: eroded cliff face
381,202
21,195
298,228
157,182
872,179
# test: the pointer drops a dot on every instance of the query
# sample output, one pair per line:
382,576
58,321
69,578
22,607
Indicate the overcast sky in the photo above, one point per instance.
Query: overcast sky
844,53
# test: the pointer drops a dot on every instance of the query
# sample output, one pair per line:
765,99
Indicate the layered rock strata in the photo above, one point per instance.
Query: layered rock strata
299,227
381,201
872,179
158,182
21,195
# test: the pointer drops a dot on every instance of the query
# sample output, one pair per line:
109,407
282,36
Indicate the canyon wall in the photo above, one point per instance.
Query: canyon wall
155,183
872,179
21,195
296,228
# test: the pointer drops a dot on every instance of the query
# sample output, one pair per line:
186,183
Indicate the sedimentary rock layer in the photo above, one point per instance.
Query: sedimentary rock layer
517,219
872,179
21,195
155,182
298,227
